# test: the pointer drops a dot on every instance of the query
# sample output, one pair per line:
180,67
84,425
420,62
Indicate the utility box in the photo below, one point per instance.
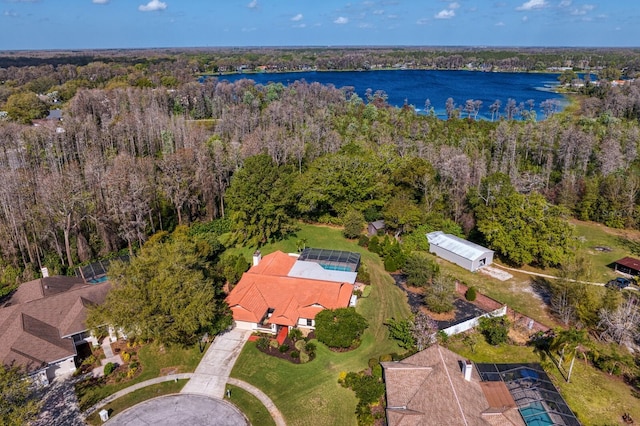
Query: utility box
104,415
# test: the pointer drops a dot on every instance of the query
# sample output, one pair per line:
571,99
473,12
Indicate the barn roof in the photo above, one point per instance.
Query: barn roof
459,246
629,262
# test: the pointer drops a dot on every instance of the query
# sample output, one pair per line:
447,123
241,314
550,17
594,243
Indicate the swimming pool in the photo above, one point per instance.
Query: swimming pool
98,280
535,414
336,268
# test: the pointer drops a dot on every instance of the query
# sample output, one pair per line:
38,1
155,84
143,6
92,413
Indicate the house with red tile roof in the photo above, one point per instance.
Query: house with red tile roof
43,323
281,290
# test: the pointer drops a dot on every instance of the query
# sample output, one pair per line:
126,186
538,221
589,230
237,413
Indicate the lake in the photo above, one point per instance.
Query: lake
414,87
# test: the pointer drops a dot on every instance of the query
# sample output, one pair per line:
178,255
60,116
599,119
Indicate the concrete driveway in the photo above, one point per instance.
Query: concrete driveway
172,410
212,373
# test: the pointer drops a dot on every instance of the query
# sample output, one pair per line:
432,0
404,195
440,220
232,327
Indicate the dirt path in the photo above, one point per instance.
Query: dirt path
537,274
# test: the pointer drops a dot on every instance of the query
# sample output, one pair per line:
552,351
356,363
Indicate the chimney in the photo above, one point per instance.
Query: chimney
468,368
257,257
45,272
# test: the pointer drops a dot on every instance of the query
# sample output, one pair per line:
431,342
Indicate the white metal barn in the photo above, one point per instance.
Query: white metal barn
459,251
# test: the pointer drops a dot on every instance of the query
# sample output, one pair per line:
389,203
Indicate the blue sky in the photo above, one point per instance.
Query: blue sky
78,24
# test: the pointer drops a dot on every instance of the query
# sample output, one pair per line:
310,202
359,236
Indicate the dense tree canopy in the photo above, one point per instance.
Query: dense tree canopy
18,403
168,292
523,228
259,200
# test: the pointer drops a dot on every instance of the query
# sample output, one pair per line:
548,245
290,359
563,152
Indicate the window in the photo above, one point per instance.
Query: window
309,322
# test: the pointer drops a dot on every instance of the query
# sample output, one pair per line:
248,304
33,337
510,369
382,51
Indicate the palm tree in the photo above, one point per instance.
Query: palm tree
570,343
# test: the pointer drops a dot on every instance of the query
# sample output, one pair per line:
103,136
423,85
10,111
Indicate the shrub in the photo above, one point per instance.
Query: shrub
494,329
109,368
364,415
295,354
300,344
339,328
363,241
310,347
374,245
295,334
131,373
304,357
386,358
376,371
263,343
373,362
353,222
439,295
283,348
125,356
134,364
470,294
274,343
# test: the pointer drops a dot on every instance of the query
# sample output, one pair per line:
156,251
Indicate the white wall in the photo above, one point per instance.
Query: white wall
469,324
302,322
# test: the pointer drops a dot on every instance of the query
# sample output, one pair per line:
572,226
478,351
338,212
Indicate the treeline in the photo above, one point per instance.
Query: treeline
128,161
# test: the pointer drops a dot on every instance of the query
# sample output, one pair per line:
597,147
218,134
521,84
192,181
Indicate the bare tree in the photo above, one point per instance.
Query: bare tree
621,325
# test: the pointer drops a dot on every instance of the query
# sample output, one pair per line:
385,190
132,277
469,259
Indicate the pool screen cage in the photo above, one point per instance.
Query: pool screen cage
94,272
532,391
332,259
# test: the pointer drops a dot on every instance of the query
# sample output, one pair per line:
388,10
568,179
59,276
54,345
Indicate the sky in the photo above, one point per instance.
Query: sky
106,24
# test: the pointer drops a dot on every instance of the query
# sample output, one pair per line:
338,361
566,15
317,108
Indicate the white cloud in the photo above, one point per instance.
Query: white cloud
378,12
365,25
297,18
583,10
9,13
253,4
565,3
341,20
152,6
422,21
445,14
300,26
525,18
454,5
500,24
100,1
533,4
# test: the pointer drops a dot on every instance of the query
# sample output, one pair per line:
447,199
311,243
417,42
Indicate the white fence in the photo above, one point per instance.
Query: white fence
469,324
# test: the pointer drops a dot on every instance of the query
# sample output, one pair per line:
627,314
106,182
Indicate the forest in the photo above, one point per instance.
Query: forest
144,147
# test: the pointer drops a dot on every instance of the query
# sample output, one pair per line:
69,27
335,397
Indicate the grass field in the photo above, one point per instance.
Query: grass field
309,394
251,406
155,361
129,400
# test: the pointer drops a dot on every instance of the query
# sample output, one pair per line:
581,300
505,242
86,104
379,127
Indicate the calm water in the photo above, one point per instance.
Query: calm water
414,87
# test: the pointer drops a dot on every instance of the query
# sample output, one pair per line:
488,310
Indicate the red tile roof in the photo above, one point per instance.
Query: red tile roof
267,285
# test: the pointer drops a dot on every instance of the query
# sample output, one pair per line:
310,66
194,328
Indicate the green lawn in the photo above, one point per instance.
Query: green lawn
119,405
251,406
309,394
155,361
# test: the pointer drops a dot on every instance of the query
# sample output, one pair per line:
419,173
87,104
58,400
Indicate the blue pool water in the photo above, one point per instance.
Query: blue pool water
336,268
98,280
535,415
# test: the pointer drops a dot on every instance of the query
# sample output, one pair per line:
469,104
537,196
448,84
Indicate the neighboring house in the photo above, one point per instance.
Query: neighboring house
628,265
438,387
459,251
373,228
287,290
43,323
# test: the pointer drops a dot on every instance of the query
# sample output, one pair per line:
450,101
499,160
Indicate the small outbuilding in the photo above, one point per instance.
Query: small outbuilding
373,228
628,265
459,251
